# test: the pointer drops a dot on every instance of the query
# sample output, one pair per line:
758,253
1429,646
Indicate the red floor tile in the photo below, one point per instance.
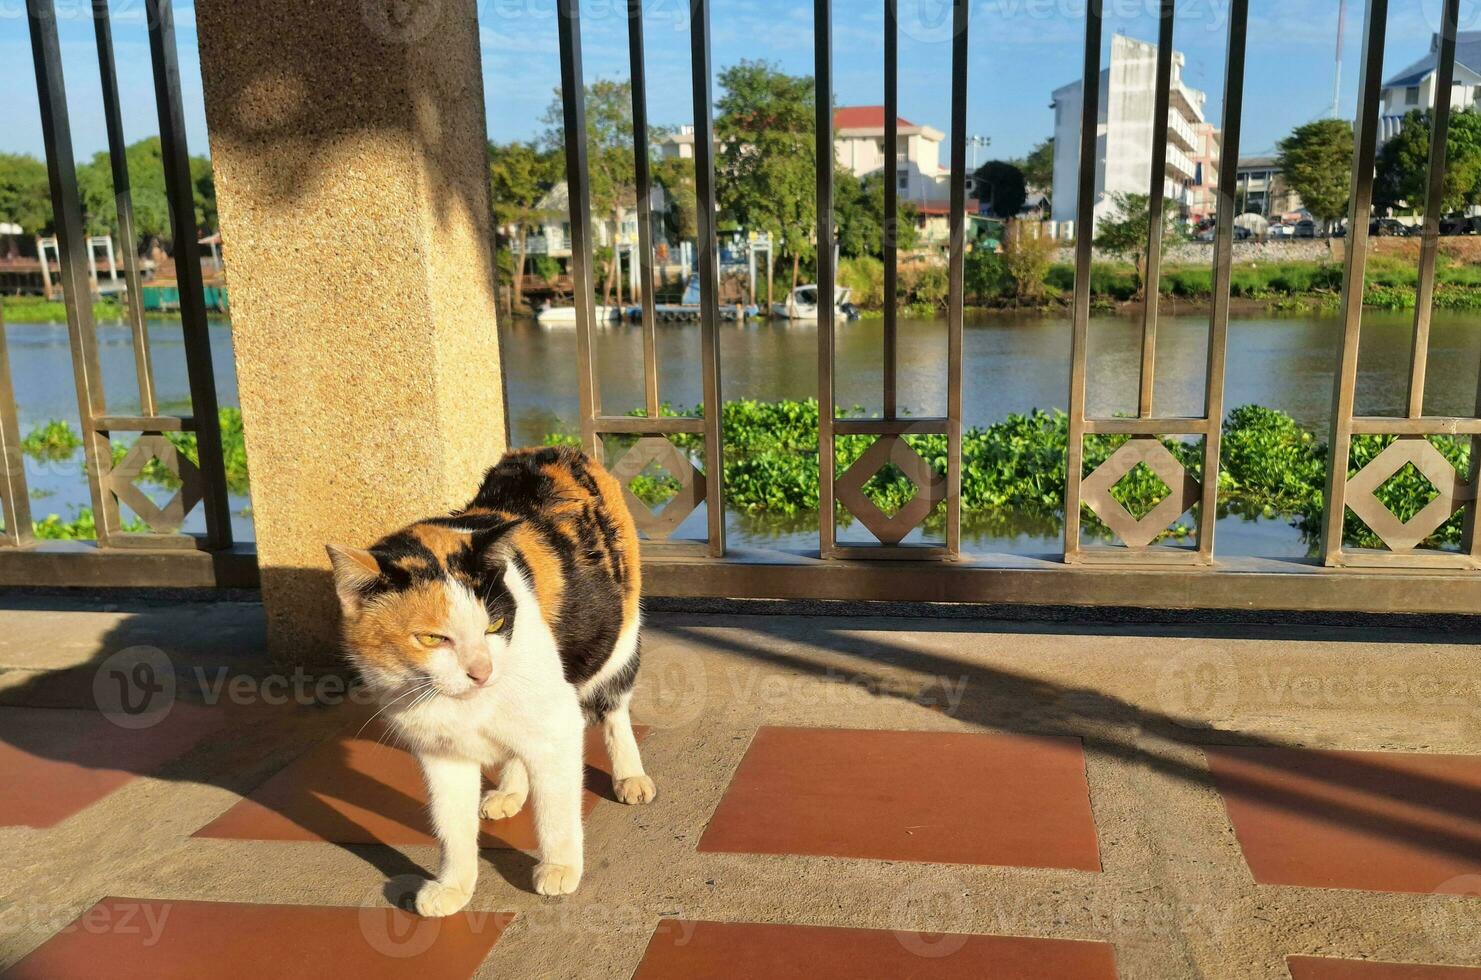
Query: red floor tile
910,796
133,939
1326,968
357,789
684,950
56,761
1380,821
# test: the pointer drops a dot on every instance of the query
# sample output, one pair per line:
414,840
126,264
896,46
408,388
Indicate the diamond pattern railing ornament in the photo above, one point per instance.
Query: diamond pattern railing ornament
1184,491
1149,424
930,489
121,483
658,451
1452,493
1357,493
652,428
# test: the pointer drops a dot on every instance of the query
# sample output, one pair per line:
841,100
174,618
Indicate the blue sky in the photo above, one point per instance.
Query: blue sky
1021,51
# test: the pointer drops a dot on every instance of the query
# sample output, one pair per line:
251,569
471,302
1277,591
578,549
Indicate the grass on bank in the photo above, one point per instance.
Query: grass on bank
1390,283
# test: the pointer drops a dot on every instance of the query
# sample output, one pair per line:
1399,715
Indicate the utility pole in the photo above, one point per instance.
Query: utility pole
974,142
1337,83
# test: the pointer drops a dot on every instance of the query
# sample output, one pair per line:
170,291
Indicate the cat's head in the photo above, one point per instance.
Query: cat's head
426,608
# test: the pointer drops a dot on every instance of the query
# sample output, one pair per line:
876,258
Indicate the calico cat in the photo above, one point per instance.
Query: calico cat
494,635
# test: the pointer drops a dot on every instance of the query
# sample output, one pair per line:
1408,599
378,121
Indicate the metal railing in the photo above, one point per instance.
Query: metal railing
1138,568
162,554
1142,570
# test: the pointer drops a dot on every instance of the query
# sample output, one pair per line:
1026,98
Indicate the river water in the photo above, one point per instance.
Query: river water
1012,364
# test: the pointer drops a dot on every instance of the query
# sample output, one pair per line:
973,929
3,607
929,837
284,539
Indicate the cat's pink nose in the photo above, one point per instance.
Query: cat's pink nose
479,671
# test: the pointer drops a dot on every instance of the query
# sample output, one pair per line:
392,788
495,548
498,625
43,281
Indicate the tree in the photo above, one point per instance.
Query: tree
767,160
1404,162
1027,255
147,192
1317,162
609,155
1001,187
25,198
858,209
1038,166
1127,231
520,176
676,176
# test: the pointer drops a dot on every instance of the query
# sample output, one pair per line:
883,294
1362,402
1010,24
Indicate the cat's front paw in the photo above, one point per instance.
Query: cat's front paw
500,806
556,879
635,789
435,899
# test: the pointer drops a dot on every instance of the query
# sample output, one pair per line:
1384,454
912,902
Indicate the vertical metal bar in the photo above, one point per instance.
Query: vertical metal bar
56,133
124,203
823,135
955,274
1429,248
644,268
708,258
1084,235
180,193
573,116
1470,534
891,204
1218,335
1344,387
13,494
1151,289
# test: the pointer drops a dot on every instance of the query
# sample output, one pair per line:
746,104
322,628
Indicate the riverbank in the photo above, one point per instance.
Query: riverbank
1390,283
37,309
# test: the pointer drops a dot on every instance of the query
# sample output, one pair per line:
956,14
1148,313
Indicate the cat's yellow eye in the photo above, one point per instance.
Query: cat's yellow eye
495,625
430,640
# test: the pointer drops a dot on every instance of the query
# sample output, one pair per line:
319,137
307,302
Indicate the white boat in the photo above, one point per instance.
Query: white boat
565,316
803,304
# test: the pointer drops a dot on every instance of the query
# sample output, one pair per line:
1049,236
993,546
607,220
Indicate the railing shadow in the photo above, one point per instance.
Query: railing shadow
1112,727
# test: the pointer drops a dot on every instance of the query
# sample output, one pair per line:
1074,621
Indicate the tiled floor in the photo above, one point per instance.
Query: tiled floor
1048,826
1382,821
687,950
910,796
56,761
361,788
130,939
1329,968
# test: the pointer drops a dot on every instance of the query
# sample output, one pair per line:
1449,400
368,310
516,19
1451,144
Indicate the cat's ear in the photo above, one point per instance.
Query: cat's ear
355,570
486,537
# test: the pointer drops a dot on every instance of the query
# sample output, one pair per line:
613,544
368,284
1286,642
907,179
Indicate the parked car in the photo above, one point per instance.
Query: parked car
1459,224
1305,228
1384,227
1279,230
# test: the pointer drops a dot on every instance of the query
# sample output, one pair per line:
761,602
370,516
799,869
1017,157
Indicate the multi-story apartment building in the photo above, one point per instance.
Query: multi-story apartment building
1124,134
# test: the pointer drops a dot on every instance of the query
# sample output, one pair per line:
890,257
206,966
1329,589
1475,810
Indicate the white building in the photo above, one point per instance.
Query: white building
554,238
1124,133
1414,87
858,146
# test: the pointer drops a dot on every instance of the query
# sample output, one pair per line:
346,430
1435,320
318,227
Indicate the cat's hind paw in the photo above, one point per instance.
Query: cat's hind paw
499,805
635,789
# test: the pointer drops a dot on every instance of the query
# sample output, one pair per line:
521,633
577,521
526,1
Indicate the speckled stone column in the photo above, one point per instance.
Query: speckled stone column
348,140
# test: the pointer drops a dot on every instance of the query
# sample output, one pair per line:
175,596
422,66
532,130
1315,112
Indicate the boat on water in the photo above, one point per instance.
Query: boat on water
803,304
565,316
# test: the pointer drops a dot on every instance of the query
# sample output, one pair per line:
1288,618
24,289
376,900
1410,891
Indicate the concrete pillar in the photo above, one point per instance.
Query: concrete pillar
348,140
